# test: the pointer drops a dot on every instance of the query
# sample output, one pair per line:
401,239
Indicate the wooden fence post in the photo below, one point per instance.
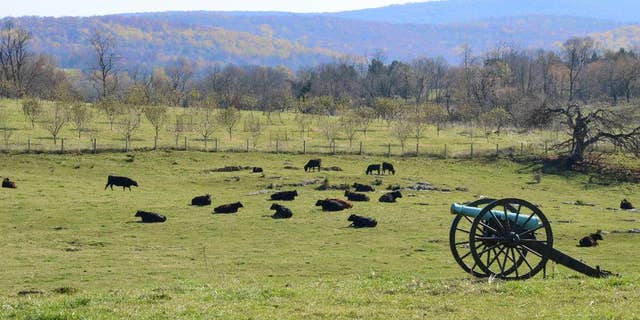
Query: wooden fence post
29,145
185,143
277,146
177,137
445,150
497,150
304,146
360,152
247,145
522,148
417,149
471,151
62,146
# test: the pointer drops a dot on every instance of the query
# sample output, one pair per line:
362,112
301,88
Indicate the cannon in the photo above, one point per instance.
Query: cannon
507,238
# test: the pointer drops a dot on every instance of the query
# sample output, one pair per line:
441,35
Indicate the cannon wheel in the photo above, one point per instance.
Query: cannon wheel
459,241
507,250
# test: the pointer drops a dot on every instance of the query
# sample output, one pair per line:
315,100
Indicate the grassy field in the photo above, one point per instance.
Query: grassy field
281,134
79,248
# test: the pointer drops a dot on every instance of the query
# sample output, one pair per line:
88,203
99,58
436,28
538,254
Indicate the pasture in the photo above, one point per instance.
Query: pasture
82,254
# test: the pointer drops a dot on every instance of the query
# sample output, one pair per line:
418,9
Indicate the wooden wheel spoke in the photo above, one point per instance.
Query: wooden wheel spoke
532,230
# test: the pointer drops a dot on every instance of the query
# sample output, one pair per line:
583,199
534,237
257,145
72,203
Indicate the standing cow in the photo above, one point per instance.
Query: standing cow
313,163
386,166
123,182
373,167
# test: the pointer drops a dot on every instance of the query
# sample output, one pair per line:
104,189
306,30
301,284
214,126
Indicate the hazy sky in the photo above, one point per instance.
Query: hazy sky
101,7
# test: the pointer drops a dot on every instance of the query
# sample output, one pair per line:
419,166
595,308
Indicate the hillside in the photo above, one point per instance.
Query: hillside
456,11
625,37
293,40
153,41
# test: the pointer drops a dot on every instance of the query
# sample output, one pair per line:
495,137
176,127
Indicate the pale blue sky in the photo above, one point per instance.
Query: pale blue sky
101,7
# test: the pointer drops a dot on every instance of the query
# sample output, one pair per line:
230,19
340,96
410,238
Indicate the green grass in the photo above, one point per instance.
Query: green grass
79,245
281,134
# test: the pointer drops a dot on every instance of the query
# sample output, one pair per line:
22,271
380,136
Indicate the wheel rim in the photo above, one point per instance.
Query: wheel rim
459,241
509,250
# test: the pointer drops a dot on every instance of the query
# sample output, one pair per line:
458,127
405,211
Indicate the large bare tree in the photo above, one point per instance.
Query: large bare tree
588,127
14,56
104,69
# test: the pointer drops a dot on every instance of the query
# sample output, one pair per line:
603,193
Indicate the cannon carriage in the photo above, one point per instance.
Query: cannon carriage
508,239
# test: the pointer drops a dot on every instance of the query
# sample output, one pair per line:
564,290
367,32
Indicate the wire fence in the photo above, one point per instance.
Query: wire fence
302,146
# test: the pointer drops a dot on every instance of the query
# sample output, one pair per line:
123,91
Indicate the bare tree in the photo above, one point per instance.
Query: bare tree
253,125
303,121
205,118
55,118
7,131
14,56
228,118
81,116
32,109
104,71
330,129
112,109
402,130
576,52
367,116
599,125
157,116
350,123
128,123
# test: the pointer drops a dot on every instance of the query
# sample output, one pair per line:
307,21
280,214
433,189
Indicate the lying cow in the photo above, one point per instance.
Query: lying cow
386,166
201,200
390,196
363,187
257,170
6,183
281,212
352,196
313,163
373,167
624,204
285,195
228,208
333,204
150,217
362,222
123,182
590,240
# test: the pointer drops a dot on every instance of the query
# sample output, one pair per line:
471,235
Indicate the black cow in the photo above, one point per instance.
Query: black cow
352,196
390,196
313,163
624,204
123,182
373,167
281,212
363,187
590,240
362,222
150,217
6,183
201,200
228,208
257,170
285,195
386,166
332,205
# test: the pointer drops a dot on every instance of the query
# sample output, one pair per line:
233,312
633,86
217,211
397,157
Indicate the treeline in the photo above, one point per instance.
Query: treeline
507,86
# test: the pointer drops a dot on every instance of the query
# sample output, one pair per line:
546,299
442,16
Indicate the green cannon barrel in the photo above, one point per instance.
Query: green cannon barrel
474,212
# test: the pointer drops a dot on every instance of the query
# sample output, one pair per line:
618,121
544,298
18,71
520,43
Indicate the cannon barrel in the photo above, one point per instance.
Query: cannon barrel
529,222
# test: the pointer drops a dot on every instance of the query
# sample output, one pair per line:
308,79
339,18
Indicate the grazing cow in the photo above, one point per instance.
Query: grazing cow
590,240
333,204
352,196
281,212
228,208
6,183
285,195
362,222
123,182
373,167
257,170
150,217
201,200
390,196
363,187
313,163
624,204
386,166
